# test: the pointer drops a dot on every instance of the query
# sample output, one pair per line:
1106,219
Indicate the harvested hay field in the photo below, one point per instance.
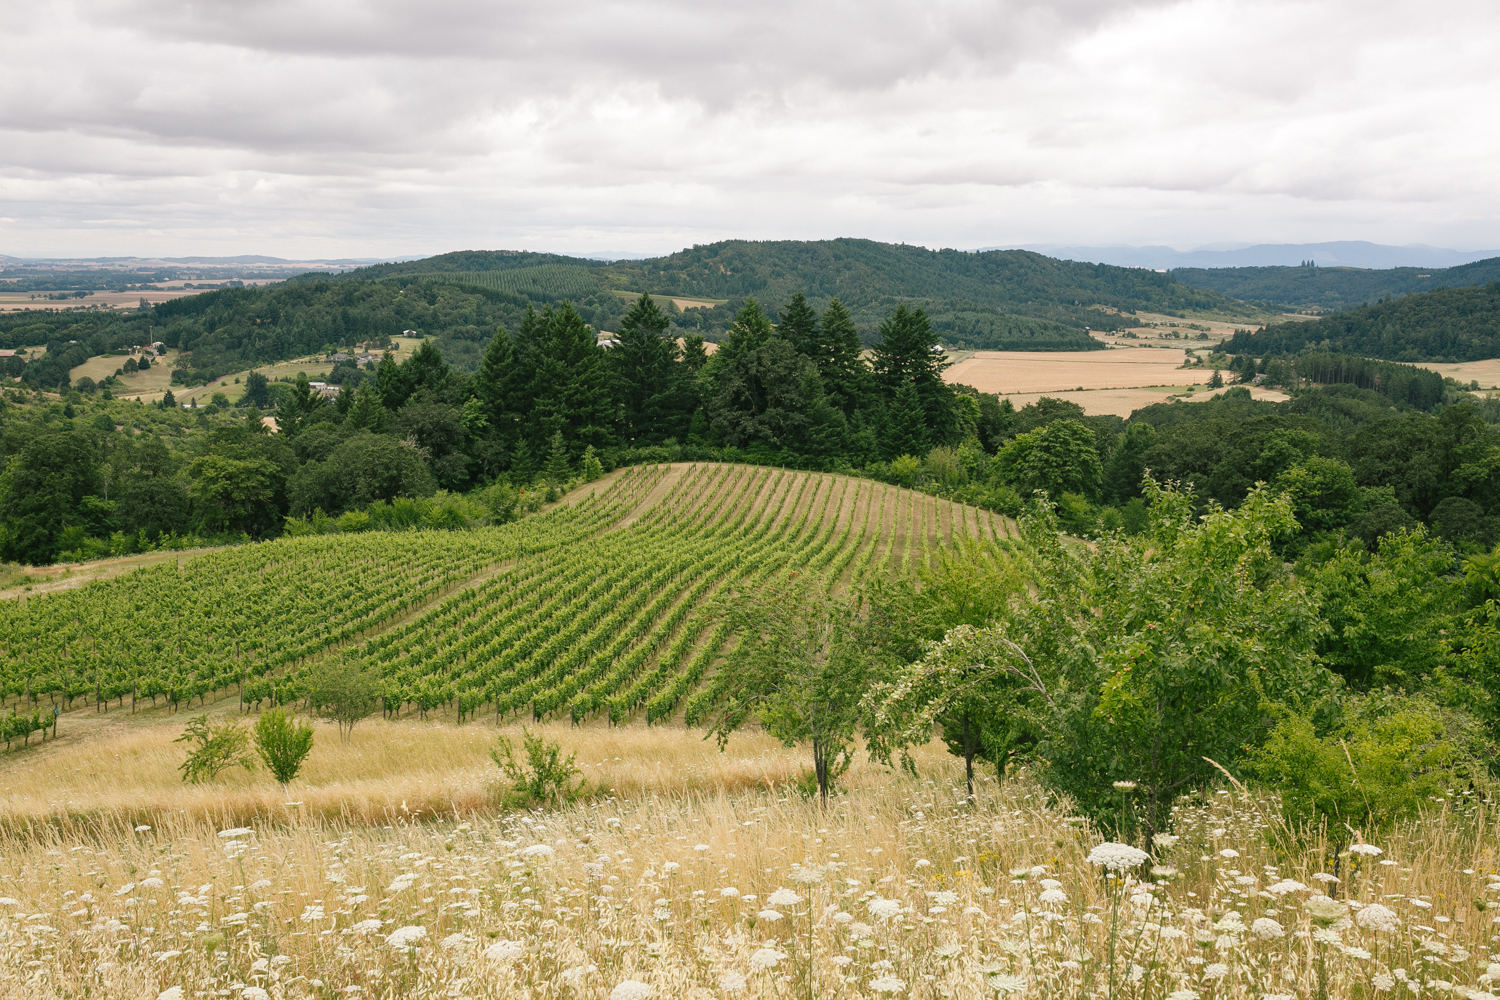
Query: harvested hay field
1008,372
1124,402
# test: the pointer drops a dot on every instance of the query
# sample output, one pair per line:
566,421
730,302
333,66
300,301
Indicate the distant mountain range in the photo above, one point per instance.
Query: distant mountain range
1343,253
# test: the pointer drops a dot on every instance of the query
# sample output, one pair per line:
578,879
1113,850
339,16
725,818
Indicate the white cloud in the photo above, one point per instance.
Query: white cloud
383,127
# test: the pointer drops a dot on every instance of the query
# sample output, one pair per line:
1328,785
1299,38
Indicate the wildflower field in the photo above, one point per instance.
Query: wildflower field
720,886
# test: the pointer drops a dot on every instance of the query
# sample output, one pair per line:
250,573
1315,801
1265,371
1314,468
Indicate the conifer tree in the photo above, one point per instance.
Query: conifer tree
905,353
494,383
520,462
648,380
749,331
799,325
573,390
907,433
846,377
367,413
557,471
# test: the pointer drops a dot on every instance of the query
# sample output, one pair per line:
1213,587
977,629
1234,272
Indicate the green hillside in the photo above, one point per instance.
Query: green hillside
1332,288
460,261
997,299
599,606
1454,324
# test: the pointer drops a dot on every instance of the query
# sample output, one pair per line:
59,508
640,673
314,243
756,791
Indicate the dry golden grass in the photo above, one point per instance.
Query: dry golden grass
1124,402
1486,373
122,772
1007,372
703,876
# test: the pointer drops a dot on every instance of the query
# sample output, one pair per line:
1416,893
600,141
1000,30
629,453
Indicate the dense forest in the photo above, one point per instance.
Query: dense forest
1332,288
1453,324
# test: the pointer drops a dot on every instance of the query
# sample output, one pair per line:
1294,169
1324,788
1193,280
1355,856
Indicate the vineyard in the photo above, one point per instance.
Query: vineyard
598,606
545,281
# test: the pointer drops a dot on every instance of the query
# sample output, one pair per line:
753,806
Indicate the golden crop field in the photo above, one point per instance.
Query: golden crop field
1007,372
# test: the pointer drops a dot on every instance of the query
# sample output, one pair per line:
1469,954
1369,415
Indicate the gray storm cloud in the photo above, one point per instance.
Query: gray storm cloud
382,128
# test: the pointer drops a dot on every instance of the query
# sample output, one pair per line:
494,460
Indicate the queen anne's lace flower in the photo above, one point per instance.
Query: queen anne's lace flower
632,989
1053,896
765,958
1325,910
807,874
784,897
1117,857
731,982
884,908
1369,849
406,938
1376,917
1285,886
538,851
1265,927
887,984
1007,983
505,951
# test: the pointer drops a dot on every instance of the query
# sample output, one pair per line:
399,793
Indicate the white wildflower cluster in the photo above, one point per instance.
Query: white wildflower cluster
1117,857
993,897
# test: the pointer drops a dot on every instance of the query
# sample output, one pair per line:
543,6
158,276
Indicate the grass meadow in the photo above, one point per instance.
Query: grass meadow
389,870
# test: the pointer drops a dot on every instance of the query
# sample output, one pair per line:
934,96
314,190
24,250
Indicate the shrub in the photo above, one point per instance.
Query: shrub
216,746
344,693
1388,755
543,776
283,744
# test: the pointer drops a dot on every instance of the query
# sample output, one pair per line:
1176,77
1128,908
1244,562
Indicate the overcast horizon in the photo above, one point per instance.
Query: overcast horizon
368,128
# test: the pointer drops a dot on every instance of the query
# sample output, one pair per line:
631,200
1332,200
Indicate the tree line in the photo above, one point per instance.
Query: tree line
1446,325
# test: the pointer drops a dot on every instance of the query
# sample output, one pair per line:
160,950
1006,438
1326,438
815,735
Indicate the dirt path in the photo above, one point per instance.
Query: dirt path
66,576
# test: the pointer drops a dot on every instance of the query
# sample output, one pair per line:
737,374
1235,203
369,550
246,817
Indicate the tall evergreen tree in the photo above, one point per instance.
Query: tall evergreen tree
648,378
749,331
905,353
846,377
521,463
367,411
528,352
558,470
572,384
496,377
907,428
799,325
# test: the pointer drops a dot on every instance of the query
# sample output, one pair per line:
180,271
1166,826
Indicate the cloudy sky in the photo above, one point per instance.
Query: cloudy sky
388,127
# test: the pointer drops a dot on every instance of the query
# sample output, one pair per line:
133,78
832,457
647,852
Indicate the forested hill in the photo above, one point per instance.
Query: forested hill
1454,324
468,260
996,299
1332,288
862,272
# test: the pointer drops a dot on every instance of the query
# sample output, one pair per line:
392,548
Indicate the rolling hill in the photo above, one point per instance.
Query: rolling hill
600,606
1332,288
1001,300
1454,324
